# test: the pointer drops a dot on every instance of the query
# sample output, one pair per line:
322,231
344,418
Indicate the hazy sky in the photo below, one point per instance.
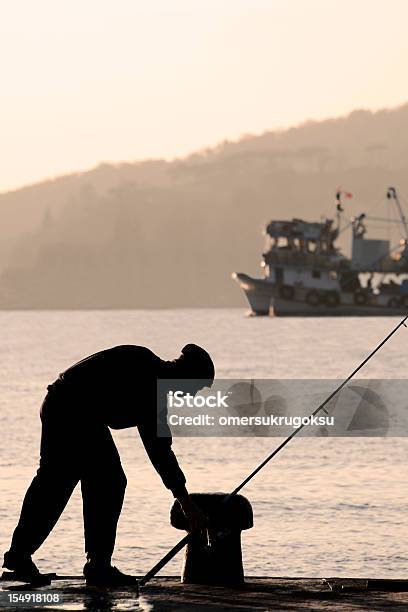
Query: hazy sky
85,81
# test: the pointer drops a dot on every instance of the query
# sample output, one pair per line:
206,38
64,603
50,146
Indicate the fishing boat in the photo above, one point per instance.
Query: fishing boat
306,274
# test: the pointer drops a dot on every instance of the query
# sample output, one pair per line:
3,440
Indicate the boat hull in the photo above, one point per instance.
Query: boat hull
286,308
264,300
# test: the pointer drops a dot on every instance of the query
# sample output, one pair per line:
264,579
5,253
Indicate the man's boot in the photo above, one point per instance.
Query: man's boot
22,566
103,574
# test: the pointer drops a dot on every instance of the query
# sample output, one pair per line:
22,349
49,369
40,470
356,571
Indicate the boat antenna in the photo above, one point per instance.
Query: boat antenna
180,545
392,195
340,194
339,208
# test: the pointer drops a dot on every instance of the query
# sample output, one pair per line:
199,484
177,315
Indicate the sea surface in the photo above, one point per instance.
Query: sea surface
323,507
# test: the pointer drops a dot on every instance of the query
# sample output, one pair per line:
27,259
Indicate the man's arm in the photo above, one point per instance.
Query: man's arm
163,459
165,463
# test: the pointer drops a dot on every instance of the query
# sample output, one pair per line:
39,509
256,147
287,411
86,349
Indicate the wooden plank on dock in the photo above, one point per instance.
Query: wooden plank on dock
168,594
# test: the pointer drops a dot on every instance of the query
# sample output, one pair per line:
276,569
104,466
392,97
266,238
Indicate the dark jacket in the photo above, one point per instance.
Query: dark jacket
118,388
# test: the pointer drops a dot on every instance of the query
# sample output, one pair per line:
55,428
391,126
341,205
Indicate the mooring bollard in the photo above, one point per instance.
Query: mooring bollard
214,556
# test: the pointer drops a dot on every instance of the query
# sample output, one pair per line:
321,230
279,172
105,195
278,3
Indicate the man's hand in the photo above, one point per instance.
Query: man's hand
195,517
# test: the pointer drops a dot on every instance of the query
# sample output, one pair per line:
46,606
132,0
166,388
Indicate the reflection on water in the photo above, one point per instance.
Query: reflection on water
323,507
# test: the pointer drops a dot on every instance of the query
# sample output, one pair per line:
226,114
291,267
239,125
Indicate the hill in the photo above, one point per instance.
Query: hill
154,234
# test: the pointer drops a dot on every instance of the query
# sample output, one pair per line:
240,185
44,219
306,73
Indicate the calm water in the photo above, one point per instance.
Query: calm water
323,507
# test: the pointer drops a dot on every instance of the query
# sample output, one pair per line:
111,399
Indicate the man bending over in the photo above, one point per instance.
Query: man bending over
115,388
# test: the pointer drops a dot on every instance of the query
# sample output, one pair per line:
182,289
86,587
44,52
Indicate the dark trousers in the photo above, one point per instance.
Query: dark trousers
73,449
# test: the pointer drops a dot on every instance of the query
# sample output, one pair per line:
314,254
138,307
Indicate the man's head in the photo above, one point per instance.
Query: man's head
195,364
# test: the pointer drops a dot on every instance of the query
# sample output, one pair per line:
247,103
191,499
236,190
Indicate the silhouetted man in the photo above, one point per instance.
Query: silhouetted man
115,388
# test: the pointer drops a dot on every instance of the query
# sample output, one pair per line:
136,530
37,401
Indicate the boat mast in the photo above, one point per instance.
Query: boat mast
392,195
339,209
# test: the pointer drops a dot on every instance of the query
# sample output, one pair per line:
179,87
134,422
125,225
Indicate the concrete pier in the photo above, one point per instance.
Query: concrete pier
169,594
